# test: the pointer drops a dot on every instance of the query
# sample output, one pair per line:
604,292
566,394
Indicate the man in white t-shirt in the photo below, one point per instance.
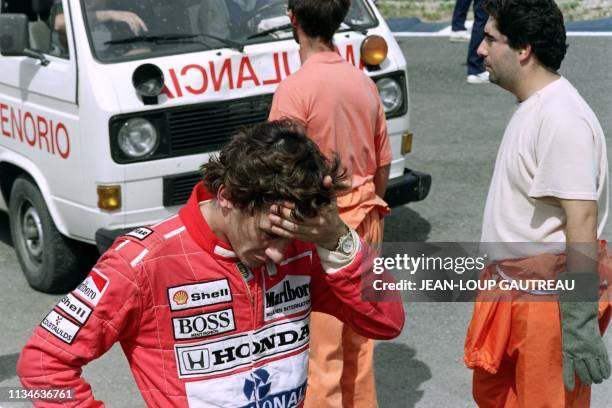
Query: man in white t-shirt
550,186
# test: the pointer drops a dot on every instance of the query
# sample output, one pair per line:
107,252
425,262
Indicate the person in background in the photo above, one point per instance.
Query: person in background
458,31
476,73
342,112
546,207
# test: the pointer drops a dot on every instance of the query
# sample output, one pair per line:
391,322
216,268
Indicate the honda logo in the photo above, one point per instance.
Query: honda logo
196,360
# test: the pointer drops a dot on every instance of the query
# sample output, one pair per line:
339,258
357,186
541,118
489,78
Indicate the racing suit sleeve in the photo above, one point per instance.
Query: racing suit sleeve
347,293
102,310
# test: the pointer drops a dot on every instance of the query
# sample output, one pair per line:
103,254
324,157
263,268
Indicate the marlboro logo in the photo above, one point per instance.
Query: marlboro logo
93,287
289,296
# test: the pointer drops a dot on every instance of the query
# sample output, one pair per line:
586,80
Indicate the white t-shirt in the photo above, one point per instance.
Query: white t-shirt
553,146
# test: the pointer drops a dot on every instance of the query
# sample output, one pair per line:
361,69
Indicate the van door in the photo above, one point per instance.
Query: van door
38,104
39,133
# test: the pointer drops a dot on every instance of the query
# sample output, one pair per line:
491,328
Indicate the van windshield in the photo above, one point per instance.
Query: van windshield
121,30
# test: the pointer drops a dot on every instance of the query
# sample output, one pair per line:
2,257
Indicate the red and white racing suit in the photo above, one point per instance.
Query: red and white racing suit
200,329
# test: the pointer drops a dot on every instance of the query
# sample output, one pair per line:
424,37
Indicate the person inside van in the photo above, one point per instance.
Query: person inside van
112,23
100,17
222,18
59,40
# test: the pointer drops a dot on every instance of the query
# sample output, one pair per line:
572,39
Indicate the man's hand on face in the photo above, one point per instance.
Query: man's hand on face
324,230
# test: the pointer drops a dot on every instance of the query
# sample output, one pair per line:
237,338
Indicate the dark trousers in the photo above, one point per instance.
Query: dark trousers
459,15
475,64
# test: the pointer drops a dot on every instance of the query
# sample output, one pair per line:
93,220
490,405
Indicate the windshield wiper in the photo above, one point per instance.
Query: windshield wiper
270,31
177,37
150,38
236,45
355,27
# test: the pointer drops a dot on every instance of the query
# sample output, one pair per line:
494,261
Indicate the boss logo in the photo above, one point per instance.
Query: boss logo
203,325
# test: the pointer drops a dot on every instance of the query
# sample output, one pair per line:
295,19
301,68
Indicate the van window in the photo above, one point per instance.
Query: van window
46,27
57,25
131,29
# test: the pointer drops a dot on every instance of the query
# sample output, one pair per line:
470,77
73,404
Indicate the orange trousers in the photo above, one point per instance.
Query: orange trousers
341,366
514,347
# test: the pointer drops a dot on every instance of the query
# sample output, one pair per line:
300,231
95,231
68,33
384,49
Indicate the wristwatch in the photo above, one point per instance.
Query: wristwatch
346,243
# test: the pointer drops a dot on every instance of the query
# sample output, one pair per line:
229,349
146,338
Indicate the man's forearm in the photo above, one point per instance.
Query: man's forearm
381,178
581,339
581,235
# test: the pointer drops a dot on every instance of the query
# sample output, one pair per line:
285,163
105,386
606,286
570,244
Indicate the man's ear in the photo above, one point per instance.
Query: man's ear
223,198
525,53
292,18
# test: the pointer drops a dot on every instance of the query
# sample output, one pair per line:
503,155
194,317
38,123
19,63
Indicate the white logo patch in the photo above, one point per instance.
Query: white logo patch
219,356
93,287
284,386
203,325
140,233
60,327
74,308
290,295
199,294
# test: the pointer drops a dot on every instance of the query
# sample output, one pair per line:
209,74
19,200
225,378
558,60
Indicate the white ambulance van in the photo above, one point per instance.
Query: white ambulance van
109,107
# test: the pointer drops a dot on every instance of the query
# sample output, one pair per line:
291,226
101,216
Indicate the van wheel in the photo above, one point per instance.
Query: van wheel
49,261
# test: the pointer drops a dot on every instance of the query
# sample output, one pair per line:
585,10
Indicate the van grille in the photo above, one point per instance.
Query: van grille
177,189
207,127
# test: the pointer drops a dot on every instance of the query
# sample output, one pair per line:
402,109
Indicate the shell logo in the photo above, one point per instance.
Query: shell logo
180,297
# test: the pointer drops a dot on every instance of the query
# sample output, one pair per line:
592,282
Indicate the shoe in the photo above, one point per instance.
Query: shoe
459,36
482,78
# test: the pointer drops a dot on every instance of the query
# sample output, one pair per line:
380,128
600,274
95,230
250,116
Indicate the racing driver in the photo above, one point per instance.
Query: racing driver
211,307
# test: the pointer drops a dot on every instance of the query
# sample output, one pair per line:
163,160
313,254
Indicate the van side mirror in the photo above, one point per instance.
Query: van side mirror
14,38
13,34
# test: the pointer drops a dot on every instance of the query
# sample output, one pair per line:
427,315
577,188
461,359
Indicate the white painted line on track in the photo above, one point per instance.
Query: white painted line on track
445,33
402,34
589,33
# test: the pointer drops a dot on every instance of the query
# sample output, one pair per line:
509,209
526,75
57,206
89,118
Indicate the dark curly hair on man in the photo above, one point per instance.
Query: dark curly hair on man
538,23
320,18
272,162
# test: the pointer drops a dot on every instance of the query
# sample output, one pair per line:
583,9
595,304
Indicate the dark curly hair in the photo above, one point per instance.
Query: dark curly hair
538,23
271,162
320,18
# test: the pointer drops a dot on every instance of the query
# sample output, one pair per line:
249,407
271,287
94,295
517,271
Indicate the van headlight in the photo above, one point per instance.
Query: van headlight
137,138
391,94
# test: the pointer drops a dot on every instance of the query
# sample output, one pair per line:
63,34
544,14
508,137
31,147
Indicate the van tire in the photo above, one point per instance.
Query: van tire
50,261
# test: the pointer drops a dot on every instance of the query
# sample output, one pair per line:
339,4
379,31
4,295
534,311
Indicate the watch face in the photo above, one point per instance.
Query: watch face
347,245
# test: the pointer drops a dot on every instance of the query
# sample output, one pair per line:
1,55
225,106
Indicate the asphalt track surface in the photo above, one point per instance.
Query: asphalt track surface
457,131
